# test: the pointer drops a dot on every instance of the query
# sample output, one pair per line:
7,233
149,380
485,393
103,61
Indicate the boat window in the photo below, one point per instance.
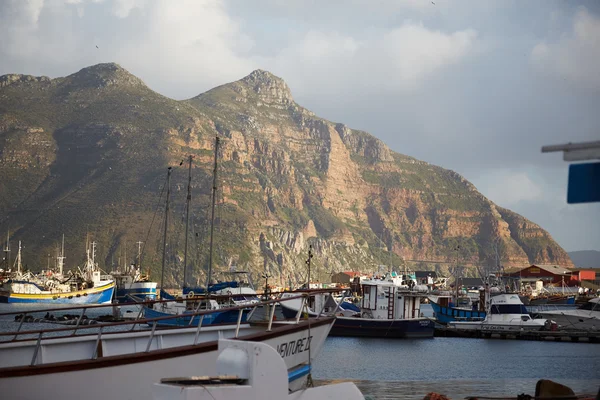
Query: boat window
588,306
509,309
524,317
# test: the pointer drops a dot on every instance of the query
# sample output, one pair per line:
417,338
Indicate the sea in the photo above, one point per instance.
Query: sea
455,367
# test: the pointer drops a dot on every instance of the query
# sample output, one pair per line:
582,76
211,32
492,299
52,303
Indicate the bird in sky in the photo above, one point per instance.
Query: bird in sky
97,47
433,3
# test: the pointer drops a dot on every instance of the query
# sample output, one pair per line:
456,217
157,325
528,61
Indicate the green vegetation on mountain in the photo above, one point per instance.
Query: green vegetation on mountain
87,155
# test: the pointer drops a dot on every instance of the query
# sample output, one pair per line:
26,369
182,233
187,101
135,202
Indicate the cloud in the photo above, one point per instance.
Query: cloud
416,52
19,23
180,48
575,56
340,65
455,84
122,8
508,188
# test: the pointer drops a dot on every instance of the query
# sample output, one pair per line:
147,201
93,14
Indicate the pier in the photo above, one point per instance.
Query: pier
555,336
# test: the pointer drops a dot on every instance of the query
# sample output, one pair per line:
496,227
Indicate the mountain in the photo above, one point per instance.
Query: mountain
87,155
585,258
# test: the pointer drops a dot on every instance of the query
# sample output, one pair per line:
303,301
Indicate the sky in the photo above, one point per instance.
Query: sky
474,86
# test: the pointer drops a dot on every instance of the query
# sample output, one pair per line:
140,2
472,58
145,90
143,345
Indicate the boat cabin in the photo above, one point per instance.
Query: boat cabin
385,300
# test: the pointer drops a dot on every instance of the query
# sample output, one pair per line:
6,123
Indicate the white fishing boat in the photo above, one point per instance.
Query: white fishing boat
248,370
240,291
388,309
57,363
505,312
586,317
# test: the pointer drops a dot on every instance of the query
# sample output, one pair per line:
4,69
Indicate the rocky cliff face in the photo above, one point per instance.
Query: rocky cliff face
93,150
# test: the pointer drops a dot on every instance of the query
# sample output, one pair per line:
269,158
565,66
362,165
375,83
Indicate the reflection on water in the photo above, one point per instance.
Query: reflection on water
388,368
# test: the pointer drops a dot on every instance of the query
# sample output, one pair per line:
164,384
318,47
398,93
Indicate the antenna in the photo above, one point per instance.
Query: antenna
139,257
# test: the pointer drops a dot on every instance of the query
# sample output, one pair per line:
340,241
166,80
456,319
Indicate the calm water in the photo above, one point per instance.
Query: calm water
409,369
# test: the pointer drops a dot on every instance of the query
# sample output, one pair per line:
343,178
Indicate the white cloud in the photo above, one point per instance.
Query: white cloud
576,55
508,188
122,8
400,58
180,48
417,52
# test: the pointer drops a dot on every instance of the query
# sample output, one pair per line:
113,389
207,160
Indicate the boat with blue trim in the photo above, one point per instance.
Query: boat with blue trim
448,308
122,353
191,302
188,304
133,283
82,287
505,312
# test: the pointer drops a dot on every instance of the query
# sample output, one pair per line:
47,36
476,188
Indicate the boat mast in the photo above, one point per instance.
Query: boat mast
308,262
61,258
7,250
162,272
18,260
212,218
187,221
457,273
139,257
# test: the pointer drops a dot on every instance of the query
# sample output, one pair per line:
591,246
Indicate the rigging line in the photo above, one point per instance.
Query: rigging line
151,222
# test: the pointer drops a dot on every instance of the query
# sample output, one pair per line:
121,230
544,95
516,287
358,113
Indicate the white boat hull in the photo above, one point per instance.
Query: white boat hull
497,326
125,371
573,320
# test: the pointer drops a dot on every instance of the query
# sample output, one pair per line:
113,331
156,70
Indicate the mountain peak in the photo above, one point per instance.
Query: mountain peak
270,88
103,75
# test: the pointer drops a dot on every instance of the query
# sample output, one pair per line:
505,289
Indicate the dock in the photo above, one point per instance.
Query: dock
554,336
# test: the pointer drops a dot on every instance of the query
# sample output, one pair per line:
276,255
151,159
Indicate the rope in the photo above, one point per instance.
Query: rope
309,380
152,222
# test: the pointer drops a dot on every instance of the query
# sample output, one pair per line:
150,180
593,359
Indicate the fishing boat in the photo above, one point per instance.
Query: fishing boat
505,312
448,307
585,317
387,310
130,358
132,283
84,287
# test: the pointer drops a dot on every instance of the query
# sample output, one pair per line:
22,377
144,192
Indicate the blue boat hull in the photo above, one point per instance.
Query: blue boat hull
381,328
140,293
90,297
448,314
223,317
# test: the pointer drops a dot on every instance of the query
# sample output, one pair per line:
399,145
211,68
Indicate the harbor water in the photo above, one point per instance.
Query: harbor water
456,367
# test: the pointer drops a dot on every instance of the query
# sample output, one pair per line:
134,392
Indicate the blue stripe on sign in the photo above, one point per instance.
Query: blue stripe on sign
298,373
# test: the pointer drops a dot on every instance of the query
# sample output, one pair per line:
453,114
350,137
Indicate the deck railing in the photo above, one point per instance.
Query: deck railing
153,322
